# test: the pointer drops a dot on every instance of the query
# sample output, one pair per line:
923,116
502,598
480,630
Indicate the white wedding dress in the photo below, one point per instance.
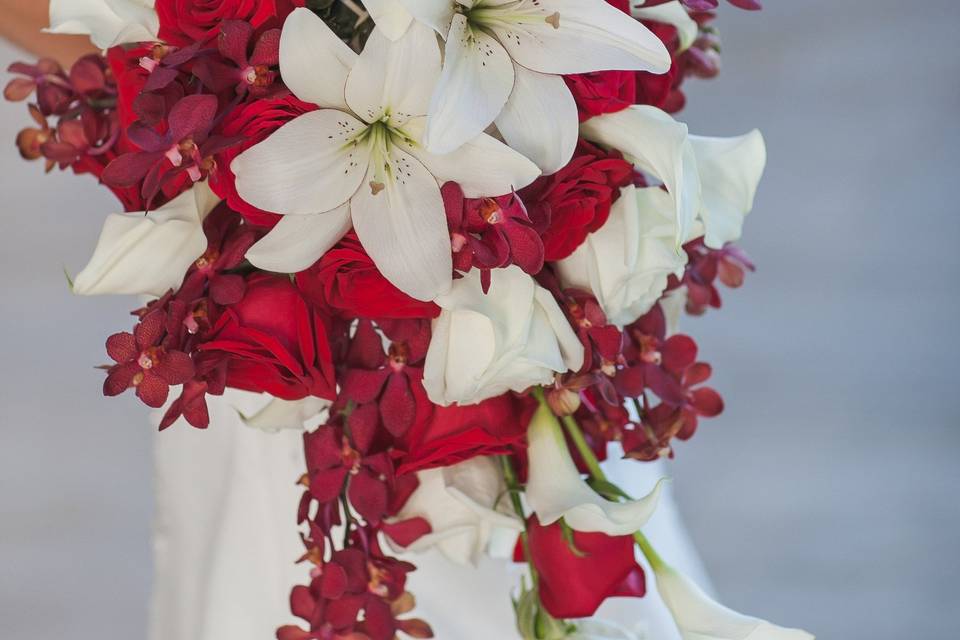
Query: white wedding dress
226,541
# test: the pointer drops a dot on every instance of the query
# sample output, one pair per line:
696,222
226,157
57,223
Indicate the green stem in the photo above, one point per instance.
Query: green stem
648,551
513,487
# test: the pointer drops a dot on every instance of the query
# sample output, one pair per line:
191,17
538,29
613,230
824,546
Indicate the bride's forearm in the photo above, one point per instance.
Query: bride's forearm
21,22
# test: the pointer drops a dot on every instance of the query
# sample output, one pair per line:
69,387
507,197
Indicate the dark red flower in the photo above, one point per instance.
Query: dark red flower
346,281
705,266
227,243
574,582
184,22
143,363
245,65
576,200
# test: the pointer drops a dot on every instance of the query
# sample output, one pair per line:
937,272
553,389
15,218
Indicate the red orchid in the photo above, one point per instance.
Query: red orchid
228,240
250,72
705,266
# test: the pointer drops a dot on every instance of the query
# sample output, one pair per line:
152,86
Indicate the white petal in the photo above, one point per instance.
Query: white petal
296,242
540,119
593,629
398,215
476,80
672,13
571,349
659,145
390,16
436,14
483,166
314,62
395,78
280,415
555,489
730,170
701,618
107,22
148,254
308,165
590,35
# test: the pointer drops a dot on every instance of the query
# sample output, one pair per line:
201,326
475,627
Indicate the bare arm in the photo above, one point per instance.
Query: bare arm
21,24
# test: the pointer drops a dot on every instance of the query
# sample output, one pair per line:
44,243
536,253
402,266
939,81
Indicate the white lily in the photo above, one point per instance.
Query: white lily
627,261
504,61
701,618
148,253
468,511
107,22
555,489
712,181
358,159
672,13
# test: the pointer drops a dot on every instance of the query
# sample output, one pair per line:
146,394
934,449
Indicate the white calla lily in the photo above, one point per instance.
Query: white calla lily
360,154
280,415
672,13
496,52
468,511
555,489
147,253
627,261
511,338
107,22
701,618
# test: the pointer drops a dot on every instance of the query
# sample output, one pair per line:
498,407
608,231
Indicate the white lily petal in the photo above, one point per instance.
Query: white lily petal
476,80
394,78
673,13
310,164
147,254
540,119
296,242
555,489
399,217
314,62
730,171
436,14
701,618
280,414
107,22
656,144
390,16
577,36
483,166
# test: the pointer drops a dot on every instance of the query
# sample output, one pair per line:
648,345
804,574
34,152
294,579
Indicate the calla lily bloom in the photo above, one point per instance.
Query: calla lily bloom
107,22
555,489
358,159
148,253
504,61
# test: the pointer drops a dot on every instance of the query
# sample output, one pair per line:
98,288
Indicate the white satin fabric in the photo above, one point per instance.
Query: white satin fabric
226,542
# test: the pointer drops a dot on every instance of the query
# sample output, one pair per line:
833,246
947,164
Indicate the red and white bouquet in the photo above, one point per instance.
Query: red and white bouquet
454,237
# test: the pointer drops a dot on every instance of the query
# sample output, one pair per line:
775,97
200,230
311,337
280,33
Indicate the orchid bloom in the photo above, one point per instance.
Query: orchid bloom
358,159
148,253
555,489
700,618
504,60
107,22
712,181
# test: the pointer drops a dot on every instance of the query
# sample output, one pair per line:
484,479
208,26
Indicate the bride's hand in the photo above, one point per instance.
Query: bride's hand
21,24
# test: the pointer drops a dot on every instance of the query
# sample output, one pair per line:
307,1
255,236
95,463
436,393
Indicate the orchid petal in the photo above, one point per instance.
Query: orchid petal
672,13
390,16
475,83
482,166
656,144
394,78
577,36
399,217
436,14
107,22
314,62
730,171
148,253
701,618
555,489
296,242
540,119
313,163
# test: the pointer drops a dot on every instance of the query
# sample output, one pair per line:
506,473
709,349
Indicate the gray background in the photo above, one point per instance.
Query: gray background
823,497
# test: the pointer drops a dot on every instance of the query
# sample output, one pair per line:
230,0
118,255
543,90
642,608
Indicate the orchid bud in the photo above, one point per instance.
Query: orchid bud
563,401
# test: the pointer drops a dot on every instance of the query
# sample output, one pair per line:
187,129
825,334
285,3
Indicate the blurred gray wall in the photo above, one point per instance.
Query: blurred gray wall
823,497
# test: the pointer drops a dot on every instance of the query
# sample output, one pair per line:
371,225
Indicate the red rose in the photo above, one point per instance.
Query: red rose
346,281
662,90
275,342
575,584
253,122
602,92
454,434
184,22
575,201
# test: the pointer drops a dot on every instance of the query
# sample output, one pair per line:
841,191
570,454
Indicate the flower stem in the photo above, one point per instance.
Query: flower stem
648,551
513,487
